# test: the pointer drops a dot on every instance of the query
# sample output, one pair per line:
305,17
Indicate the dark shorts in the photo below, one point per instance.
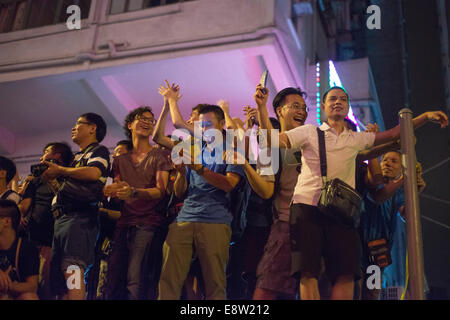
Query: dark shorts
253,240
73,244
313,236
274,269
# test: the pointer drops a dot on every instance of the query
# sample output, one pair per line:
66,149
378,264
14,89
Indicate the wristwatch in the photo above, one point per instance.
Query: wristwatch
134,193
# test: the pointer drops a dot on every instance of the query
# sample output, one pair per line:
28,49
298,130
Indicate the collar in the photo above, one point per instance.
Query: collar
326,127
93,144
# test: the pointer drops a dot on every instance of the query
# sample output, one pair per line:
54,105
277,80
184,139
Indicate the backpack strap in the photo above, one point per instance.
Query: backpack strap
16,264
322,155
6,194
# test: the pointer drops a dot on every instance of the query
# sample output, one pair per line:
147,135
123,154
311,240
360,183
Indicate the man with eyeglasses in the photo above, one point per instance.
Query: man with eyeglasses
274,280
140,180
315,236
75,207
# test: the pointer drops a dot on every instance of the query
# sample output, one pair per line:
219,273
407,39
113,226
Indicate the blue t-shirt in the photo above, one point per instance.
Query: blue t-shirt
204,202
379,220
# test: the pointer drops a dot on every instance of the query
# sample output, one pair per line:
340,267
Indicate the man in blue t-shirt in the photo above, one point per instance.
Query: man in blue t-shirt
203,224
379,215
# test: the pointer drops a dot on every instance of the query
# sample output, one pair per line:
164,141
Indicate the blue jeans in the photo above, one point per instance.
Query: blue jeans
129,247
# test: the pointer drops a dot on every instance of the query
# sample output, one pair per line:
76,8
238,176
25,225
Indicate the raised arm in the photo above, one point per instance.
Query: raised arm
159,135
261,97
229,123
171,93
394,133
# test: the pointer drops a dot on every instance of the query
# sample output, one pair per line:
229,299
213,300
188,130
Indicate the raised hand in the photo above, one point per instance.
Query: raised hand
224,105
250,116
421,184
170,92
261,95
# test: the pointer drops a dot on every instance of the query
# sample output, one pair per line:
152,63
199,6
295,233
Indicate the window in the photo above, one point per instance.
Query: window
25,14
121,6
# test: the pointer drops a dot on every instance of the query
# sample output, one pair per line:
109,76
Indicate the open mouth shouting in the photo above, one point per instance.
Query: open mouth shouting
300,120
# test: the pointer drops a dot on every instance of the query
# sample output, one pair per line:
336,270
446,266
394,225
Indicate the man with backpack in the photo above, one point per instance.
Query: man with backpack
75,207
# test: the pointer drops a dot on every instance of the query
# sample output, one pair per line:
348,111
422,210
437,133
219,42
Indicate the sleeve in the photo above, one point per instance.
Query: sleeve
235,169
115,168
30,191
100,159
299,136
28,261
365,140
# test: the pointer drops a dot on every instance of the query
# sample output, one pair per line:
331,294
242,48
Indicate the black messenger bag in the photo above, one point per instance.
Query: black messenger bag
338,200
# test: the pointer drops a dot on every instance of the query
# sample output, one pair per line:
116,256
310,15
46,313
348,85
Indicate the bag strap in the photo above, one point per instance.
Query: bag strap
19,242
322,155
392,224
6,194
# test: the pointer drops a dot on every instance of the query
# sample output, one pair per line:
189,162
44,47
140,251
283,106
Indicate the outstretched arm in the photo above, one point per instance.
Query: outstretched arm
394,133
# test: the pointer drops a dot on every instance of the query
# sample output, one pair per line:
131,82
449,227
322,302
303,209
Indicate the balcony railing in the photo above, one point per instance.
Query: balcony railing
25,14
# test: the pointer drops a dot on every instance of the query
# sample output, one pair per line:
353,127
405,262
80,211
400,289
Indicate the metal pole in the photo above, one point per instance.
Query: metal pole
413,224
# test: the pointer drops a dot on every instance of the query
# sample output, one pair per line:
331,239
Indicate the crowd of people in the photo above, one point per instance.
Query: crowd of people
193,216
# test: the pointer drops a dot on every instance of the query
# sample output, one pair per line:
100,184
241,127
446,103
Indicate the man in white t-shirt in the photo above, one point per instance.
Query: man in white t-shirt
313,235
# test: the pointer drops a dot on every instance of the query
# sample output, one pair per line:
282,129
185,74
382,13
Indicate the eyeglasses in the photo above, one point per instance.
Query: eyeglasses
82,122
297,107
145,119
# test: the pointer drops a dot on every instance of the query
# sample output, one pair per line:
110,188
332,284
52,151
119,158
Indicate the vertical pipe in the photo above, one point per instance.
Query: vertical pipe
413,224
404,53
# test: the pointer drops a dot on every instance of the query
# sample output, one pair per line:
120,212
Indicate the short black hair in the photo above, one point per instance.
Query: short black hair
333,88
9,166
199,107
126,143
132,116
206,108
94,118
8,208
280,98
64,150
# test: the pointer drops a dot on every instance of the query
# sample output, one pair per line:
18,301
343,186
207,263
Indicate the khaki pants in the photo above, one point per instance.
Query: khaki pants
211,242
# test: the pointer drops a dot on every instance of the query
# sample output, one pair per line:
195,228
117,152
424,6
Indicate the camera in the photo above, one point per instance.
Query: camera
38,169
